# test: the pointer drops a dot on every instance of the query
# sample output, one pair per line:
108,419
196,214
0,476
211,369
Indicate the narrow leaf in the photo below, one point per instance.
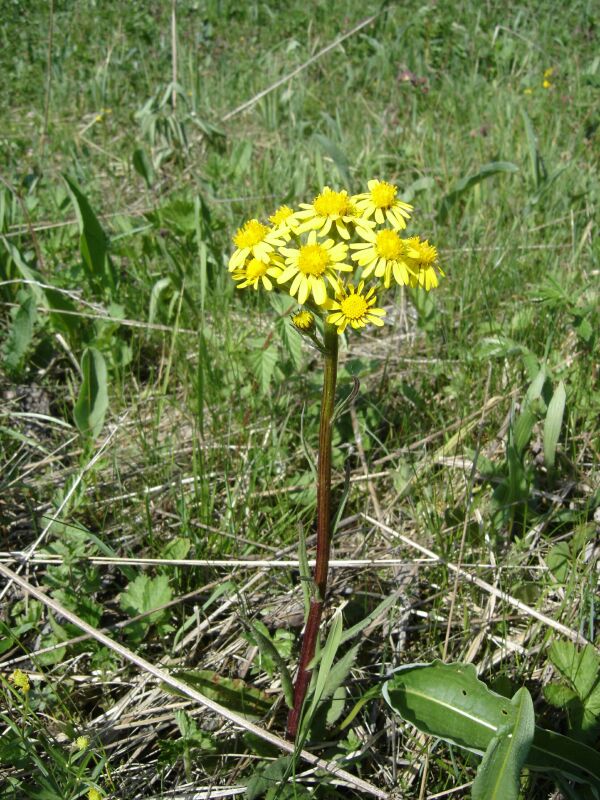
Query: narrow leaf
498,776
553,424
466,183
92,403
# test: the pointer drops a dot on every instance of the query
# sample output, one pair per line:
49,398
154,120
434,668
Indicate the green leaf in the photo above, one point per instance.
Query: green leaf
498,776
143,166
559,560
260,634
263,362
327,658
553,424
20,333
92,403
143,594
466,183
449,701
93,242
268,776
232,693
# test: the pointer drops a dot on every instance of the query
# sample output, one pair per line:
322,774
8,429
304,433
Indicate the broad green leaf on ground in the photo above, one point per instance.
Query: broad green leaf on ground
499,774
450,702
92,403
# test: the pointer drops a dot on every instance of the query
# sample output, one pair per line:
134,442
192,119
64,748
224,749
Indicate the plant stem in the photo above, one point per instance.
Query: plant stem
313,623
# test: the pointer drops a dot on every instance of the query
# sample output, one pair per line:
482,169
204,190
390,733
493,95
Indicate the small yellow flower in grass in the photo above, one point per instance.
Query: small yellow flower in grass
353,307
327,209
380,201
94,794
304,321
546,84
548,73
82,743
424,259
255,272
20,680
309,267
255,239
385,254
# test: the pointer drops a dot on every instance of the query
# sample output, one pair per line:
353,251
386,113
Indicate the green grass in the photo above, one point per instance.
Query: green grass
209,389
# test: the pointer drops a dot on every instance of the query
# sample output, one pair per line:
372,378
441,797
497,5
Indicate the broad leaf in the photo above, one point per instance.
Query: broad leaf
449,701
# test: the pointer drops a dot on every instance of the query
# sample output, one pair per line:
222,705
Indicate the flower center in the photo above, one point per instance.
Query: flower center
252,233
313,259
282,213
383,195
331,204
354,306
389,245
255,269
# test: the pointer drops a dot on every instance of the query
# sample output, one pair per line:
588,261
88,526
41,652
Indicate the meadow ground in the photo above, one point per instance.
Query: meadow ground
134,139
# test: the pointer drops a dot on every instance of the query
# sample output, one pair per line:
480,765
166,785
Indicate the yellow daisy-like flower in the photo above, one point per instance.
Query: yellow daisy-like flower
82,743
385,254
20,680
304,321
285,220
353,307
424,260
255,272
327,209
311,265
380,201
255,239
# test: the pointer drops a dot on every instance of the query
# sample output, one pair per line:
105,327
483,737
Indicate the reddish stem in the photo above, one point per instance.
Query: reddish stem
313,623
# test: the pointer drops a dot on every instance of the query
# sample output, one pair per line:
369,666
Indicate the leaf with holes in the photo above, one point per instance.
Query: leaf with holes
450,702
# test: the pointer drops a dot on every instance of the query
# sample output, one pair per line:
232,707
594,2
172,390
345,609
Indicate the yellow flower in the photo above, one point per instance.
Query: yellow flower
255,272
546,84
285,220
355,308
385,254
94,794
310,265
255,239
328,208
381,202
548,73
20,680
304,321
424,260
82,743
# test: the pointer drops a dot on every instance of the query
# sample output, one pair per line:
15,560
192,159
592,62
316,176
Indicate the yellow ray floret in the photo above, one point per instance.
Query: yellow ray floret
254,239
423,258
385,254
310,266
329,209
353,307
255,272
381,203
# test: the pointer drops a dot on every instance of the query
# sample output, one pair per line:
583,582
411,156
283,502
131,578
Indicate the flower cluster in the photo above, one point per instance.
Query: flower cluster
335,254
